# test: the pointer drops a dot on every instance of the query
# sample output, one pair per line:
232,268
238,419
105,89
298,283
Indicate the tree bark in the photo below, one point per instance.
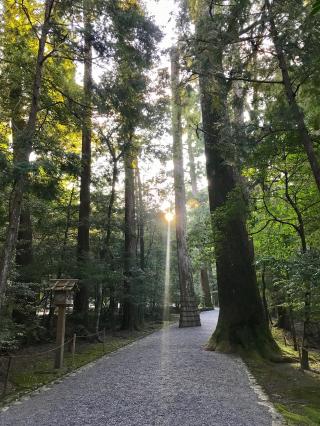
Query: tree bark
189,314
204,276
141,222
24,254
264,295
106,253
24,141
110,207
128,318
83,240
293,330
192,166
297,112
242,324
300,229
206,287
66,233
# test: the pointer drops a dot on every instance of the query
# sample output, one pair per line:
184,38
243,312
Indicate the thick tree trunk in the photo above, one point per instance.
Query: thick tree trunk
242,324
297,112
204,277
189,314
24,141
128,318
83,243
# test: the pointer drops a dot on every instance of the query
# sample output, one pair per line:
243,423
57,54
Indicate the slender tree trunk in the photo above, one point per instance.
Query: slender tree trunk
112,305
242,323
307,299
306,325
307,307
189,314
98,306
24,254
66,233
141,222
24,270
24,141
110,208
293,330
204,278
300,229
297,112
106,254
264,296
192,165
142,261
128,319
83,243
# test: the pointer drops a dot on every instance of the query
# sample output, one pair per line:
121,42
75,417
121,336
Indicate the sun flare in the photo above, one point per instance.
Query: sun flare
169,216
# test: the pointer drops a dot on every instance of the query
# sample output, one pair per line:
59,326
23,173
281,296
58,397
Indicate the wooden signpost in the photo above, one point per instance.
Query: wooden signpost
63,290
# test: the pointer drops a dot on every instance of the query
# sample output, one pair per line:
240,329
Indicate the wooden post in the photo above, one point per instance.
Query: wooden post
61,326
103,340
6,379
73,348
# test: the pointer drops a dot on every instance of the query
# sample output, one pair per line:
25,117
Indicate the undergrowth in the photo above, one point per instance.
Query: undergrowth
295,393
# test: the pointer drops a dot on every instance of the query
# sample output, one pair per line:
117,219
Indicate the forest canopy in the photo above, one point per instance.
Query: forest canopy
104,131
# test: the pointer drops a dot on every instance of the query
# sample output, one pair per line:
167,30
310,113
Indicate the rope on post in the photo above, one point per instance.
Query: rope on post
37,353
103,340
6,379
73,348
89,335
72,340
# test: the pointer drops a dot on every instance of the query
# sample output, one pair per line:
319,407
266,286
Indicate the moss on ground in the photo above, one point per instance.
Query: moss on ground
32,372
294,392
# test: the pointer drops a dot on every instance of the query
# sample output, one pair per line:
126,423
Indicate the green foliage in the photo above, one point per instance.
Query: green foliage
316,7
200,238
10,335
294,393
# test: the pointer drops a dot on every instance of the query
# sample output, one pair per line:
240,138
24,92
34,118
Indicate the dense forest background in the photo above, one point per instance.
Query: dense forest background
86,173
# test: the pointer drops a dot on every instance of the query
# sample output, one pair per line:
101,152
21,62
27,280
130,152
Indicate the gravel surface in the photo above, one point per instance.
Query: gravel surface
166,378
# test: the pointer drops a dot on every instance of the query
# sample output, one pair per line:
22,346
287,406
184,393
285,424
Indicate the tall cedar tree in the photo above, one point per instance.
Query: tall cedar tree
242,323
129,311
189,315
24,143
83,241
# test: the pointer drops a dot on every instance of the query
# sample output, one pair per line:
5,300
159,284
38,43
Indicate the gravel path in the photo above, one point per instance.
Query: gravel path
166,378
